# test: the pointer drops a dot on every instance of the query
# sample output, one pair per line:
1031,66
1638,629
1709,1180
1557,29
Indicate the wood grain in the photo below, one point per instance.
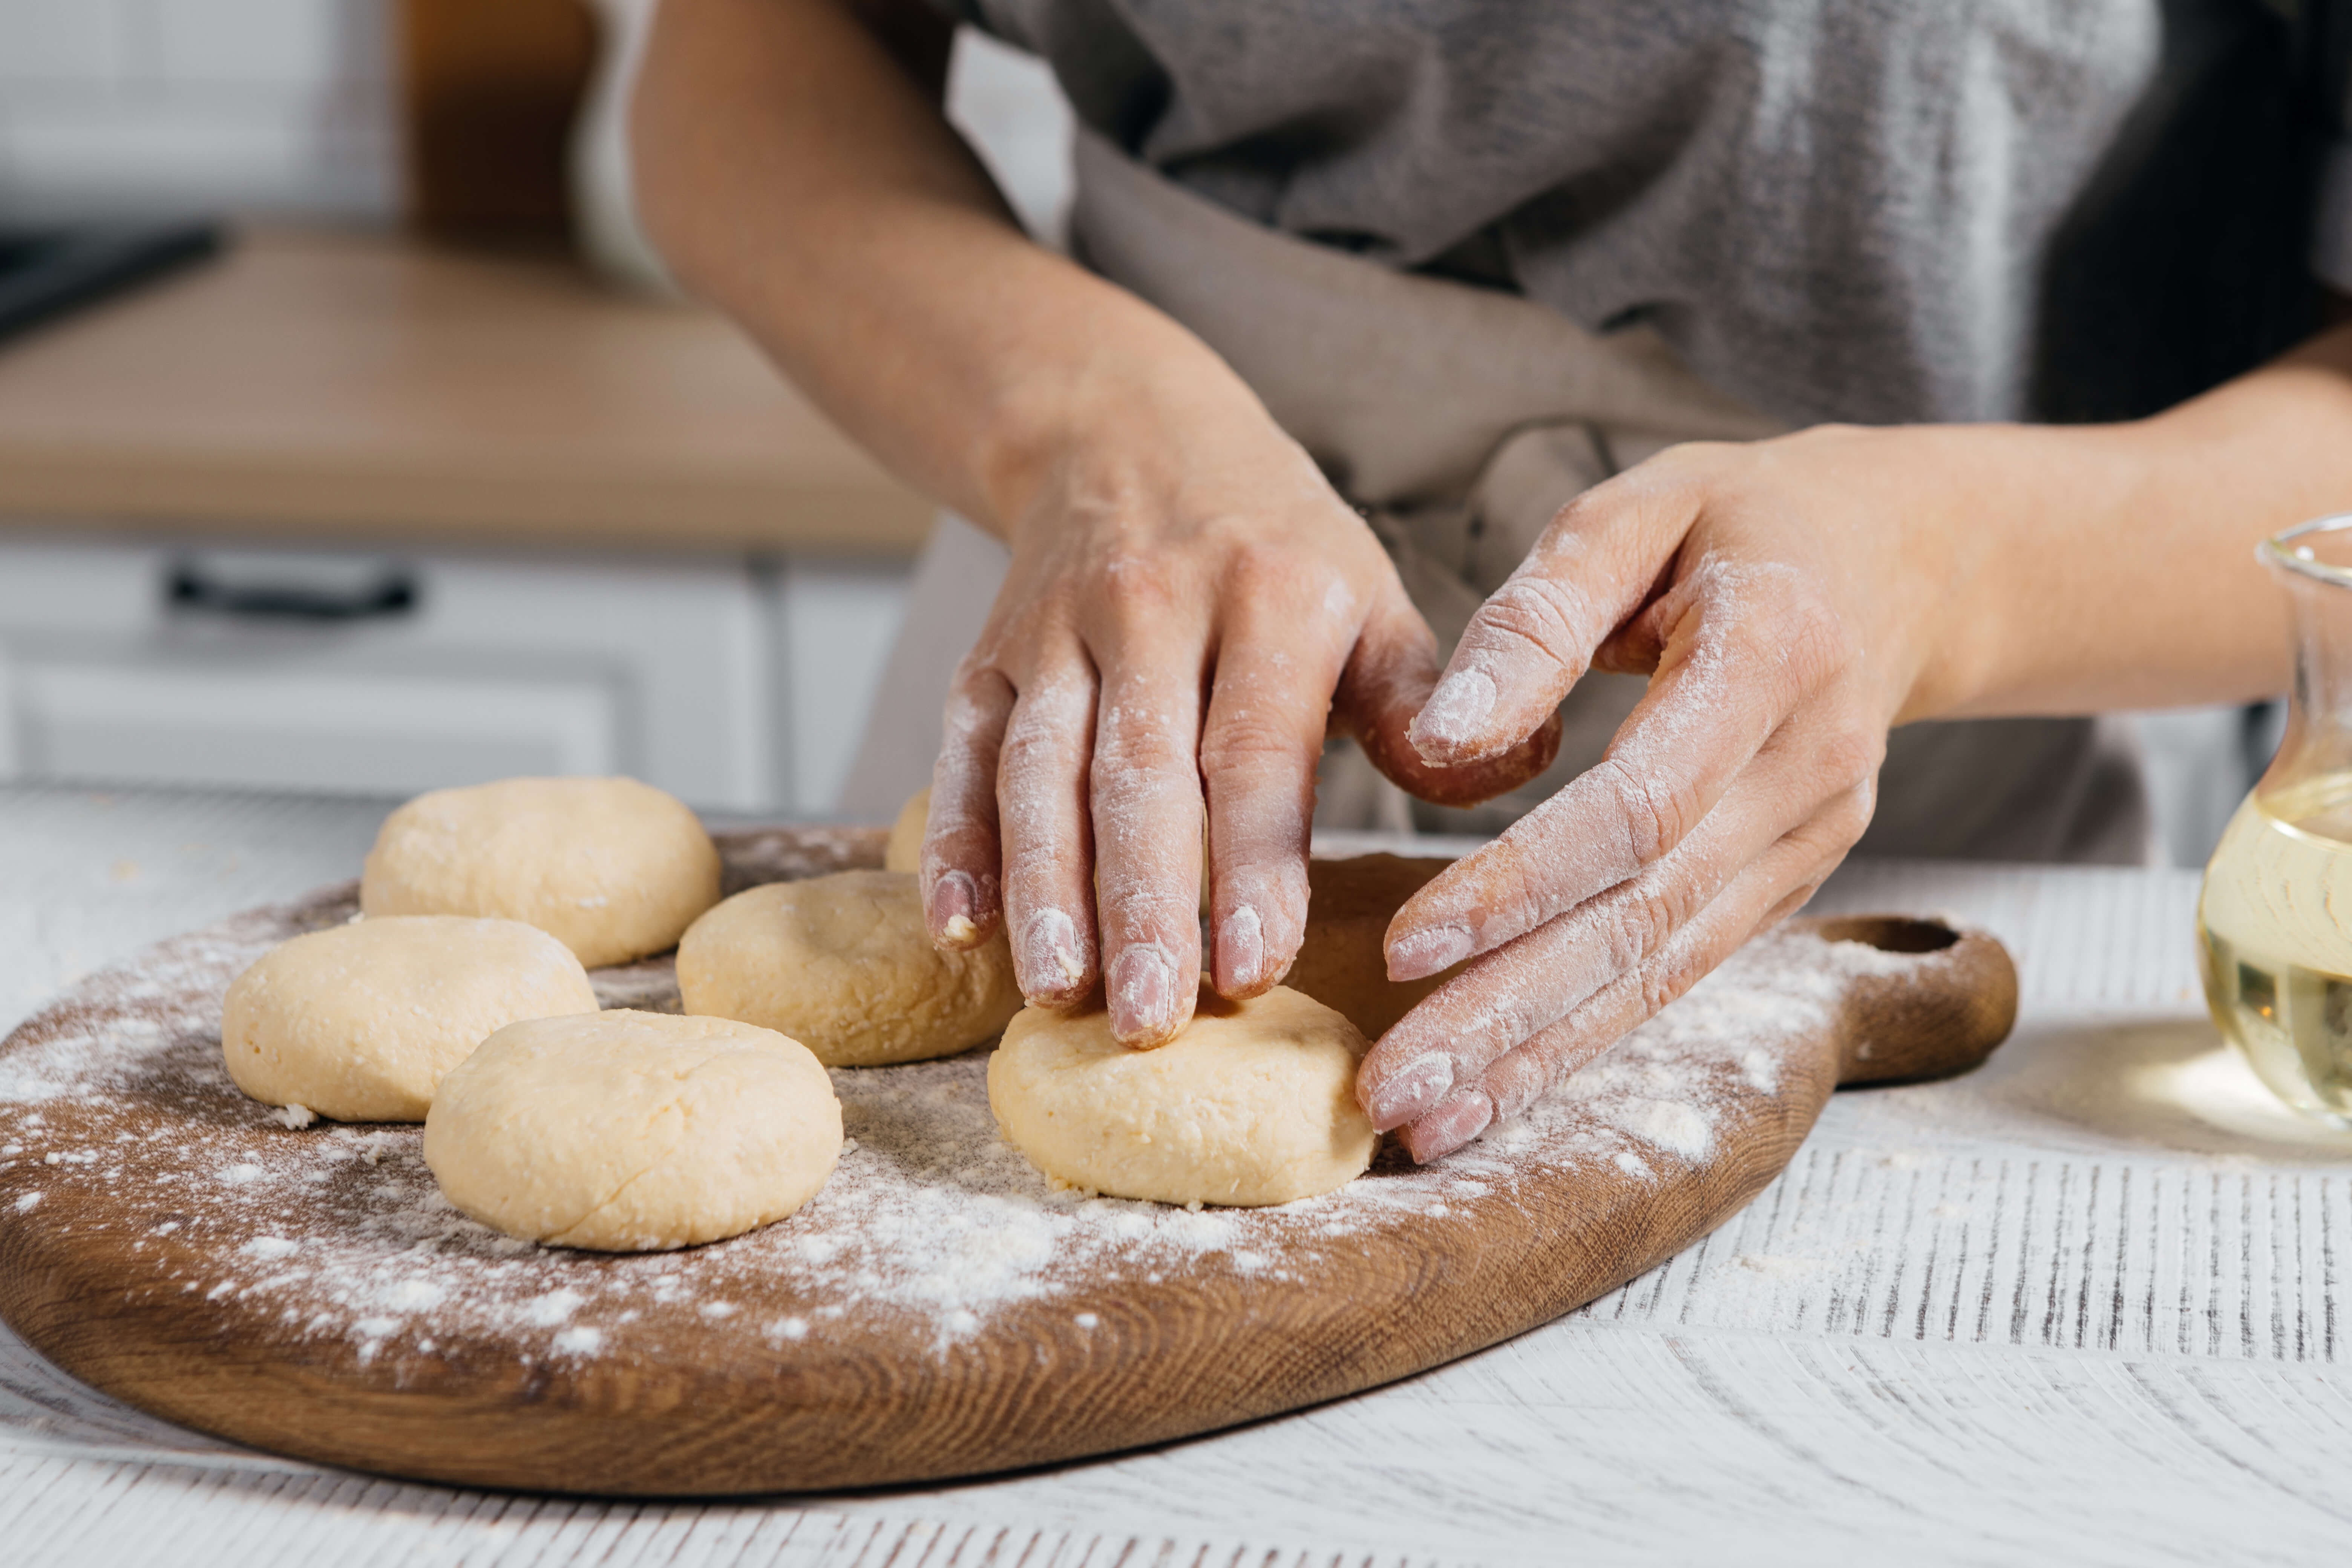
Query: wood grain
118,1262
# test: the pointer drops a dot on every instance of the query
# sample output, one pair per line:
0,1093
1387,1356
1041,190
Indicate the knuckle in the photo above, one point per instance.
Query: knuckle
1539,614
1658,811
1252,742
1849,759
1032,744
1556,1055
1652,911
1505,885
1844,819
1145,721
1661,983
1127,750
1269,569
1519,1080
1129,591
1577,516
978,683
1813,641
1676,969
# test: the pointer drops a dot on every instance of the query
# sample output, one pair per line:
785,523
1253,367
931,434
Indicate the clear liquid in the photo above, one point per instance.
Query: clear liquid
2275,937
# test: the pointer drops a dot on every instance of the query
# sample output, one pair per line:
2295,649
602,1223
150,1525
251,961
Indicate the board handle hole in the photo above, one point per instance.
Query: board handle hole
1892,933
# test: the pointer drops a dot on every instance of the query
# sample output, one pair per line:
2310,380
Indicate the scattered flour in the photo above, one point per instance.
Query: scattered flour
554,1307
338,1232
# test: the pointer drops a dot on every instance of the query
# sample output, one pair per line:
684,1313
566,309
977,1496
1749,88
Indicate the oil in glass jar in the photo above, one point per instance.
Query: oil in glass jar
2274,927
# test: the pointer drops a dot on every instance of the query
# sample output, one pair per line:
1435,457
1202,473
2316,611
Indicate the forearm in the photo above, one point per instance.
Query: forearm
2115,566
795,172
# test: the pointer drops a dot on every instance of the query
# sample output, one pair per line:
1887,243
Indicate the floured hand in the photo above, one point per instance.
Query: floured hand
1790,600
1189,611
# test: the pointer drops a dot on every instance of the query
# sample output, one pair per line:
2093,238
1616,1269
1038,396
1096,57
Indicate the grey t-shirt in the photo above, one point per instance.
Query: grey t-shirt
1866,210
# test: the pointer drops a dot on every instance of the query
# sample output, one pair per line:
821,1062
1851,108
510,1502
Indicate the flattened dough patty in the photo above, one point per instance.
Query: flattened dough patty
628,1131
1254,1103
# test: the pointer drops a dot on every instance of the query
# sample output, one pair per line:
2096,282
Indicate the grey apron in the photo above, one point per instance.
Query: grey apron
1458,419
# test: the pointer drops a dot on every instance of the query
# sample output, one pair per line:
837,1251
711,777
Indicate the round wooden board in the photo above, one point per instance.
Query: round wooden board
937,1310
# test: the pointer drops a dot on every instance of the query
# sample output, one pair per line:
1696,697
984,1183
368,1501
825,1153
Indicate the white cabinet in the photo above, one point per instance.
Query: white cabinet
384,673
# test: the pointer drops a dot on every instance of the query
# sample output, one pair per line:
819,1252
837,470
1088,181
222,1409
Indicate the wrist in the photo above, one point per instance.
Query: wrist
1116,413
2045,520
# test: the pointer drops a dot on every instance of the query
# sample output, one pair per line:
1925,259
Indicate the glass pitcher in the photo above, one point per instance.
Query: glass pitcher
2274,923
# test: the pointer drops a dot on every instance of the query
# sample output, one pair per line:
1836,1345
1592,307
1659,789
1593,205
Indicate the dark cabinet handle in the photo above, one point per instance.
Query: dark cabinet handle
391,593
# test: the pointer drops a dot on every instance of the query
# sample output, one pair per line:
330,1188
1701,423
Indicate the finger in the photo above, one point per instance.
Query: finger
961,860
1387,680
1144,784
1530,984
1779,881
1047,831
1734,666
1533,638
1267,710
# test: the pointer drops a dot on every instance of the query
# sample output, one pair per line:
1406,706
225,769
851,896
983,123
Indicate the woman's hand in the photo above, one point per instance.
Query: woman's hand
1190,609
1792,599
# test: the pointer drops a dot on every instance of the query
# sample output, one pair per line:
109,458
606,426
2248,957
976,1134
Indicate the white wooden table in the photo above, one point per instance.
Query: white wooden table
2084,1306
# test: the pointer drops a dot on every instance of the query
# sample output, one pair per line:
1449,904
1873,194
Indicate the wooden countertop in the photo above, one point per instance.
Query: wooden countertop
339,386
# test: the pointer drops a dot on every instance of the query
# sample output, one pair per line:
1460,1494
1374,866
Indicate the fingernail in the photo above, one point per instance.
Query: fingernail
1410,1090
1453,712
1241,948
1449,1127
1142,994
954,902
1425,953
1049,954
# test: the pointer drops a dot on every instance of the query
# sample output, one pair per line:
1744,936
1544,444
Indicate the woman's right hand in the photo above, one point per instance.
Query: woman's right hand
1189,607
1190,610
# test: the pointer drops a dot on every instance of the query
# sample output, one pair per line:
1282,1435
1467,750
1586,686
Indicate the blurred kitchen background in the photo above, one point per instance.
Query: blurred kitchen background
423,478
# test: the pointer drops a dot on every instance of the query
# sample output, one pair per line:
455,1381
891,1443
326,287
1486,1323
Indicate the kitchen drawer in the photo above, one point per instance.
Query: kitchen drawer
372,733
376,673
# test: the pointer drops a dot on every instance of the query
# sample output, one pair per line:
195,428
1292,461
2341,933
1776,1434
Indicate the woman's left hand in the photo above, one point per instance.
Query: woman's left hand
1792,599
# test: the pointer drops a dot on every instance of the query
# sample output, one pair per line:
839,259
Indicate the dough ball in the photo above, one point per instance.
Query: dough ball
613,868
632,1131
1343,959
1254,1103
904,850
843,963
361,1022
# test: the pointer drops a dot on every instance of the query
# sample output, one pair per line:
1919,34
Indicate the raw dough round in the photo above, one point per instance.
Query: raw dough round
632,1131
904,850
1343,956
360,1022
613,868
1254,1103
844,964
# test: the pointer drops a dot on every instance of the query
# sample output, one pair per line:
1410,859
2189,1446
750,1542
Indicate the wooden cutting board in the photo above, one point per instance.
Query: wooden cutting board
937,1310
